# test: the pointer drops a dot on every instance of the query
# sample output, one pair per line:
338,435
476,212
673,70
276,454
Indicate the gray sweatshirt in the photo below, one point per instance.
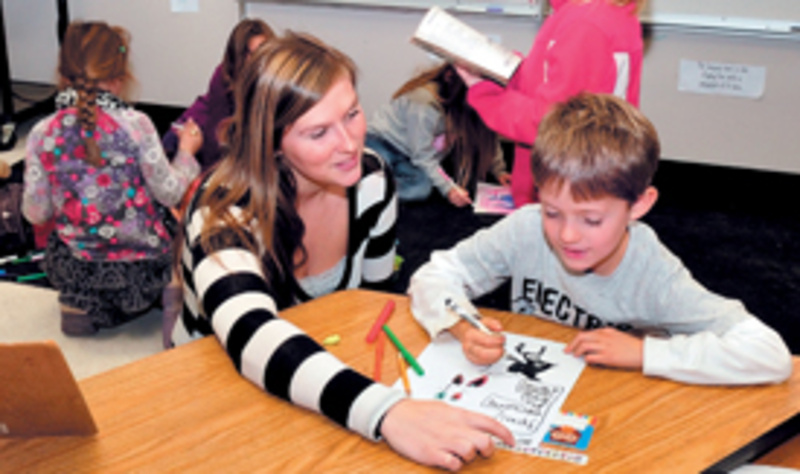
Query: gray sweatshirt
692,334
411,123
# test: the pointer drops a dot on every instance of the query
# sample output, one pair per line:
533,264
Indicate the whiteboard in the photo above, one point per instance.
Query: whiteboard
768,16
500,7
772,17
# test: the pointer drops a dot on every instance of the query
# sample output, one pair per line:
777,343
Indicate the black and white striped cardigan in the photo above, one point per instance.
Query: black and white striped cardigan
225,294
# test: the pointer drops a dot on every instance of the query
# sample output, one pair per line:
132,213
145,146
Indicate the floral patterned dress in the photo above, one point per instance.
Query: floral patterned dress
110,251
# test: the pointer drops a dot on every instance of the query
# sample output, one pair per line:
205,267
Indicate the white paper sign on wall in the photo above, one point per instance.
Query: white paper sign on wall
708,77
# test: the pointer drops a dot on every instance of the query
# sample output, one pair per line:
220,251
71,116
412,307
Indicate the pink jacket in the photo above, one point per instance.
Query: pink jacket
584,46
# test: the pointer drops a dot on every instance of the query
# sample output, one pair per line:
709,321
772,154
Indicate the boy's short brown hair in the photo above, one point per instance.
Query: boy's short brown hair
600,144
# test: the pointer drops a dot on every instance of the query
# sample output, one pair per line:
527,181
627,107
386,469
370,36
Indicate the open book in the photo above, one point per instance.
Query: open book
454,40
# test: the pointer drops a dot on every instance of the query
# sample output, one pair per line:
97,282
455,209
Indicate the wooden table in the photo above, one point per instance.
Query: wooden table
188,410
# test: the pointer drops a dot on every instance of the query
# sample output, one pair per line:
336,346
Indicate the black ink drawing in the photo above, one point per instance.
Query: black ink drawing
530,364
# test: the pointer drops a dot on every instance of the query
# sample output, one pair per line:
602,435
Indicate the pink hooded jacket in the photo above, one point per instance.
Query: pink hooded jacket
592,46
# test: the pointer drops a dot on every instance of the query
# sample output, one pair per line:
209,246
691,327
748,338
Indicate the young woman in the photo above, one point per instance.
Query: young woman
298,209
585,45
432,138
96,167
210,109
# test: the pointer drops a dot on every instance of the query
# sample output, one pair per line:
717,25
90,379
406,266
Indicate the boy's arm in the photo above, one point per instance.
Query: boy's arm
472,268
749,352
713,339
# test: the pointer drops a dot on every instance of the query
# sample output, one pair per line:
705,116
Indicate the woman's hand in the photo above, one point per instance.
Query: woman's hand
480,348
458,196
190,137
608,346
436,434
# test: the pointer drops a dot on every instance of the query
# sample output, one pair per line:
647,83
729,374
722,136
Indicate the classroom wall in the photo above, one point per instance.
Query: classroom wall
174,53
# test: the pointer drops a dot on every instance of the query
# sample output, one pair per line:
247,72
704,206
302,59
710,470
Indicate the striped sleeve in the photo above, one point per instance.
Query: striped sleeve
234,298
376,222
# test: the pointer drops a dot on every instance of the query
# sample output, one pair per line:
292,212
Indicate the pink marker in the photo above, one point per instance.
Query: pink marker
382,318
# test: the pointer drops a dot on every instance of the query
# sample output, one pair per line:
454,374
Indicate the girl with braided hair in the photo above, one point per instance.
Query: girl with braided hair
97,169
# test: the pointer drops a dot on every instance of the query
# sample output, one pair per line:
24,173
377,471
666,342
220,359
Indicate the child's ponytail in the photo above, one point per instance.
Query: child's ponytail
87,116
91,53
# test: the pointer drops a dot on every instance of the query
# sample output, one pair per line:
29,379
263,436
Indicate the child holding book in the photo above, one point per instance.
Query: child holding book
431,138
585,45
582,258
96,167
298,209
209,109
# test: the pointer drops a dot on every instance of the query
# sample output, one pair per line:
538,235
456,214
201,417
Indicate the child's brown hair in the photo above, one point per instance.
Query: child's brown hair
91,53
471,144
600,144
236,50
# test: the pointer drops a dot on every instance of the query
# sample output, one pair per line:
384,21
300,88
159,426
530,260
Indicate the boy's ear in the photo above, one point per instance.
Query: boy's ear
645,202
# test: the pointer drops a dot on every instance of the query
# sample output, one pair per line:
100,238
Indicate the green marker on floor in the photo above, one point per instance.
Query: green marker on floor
32,276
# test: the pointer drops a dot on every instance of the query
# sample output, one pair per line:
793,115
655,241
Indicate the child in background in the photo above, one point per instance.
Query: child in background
428,128
210,109
581,258
585,45
97,168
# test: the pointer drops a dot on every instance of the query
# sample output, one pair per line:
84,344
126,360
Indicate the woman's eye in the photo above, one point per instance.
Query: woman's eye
551,214
318,133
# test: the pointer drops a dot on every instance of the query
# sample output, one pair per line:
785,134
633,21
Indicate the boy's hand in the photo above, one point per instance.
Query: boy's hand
479,347
609,347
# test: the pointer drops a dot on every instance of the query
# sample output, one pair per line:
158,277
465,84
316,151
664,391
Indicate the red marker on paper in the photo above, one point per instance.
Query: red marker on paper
382,318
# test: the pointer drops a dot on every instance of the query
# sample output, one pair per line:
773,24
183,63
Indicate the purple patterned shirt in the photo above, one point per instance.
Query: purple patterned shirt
110,212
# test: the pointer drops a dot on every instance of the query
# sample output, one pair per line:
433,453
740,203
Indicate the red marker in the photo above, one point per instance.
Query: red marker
382,318
379,357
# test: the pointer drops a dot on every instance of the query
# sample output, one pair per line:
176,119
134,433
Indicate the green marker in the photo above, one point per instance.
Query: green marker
32,276
406,355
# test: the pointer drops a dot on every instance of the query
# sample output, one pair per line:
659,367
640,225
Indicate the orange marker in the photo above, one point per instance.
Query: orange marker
379,356
403,375
382,318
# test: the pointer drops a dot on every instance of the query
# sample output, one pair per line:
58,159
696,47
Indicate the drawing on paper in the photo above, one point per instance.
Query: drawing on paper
529,364
523,390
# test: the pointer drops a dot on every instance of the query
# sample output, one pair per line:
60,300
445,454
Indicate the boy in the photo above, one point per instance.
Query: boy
581,258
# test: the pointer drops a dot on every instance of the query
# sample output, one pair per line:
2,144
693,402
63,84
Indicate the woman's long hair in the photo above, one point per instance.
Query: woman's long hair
91,53
471,144
280,83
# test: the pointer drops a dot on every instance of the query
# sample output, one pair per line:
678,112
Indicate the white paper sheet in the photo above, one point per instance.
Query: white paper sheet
524,390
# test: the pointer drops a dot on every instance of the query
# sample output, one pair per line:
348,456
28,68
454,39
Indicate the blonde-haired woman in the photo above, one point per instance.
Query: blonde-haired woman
298,209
